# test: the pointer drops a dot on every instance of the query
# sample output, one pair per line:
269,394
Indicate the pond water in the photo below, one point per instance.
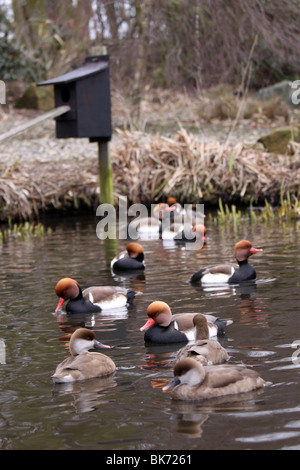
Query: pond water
129,411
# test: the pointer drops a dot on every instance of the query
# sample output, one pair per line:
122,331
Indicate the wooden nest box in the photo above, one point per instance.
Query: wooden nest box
87,91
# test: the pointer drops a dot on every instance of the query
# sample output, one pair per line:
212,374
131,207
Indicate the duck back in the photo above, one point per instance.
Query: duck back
221,380
84,366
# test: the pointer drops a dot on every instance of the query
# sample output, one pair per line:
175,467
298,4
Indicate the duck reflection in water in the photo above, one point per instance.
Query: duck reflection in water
252,310
189,417
88,395
160,356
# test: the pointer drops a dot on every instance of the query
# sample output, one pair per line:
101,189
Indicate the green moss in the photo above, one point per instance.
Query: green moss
278,139
35,97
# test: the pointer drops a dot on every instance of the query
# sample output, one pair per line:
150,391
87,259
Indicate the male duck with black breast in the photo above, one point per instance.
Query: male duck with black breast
230,273
82,364
91,300
192,381
130,259
163,328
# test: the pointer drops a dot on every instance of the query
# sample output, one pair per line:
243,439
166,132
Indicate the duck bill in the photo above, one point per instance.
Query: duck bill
171,384
148,323
99,345
60,304
255,250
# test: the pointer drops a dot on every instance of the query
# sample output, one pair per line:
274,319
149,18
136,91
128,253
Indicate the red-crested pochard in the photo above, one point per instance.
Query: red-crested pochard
175,207
163,327
171,201
153,224
91,300
230,273
195,233
83,364
193,381
129,259
204,350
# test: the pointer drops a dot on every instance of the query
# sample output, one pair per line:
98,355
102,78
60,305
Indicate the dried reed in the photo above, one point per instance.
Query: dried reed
151,167
28,188
146,168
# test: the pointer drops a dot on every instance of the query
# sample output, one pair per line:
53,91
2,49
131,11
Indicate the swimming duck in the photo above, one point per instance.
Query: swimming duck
230,273
193,381
131,258
193,234
204,350
162,327
91,300
162,210
175,207
153,225
172,231
171,201
83,364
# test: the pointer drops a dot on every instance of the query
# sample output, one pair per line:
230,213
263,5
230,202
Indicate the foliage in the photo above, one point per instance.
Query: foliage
155,166
55,35
23,231
288,209
201,43
13,62
175,43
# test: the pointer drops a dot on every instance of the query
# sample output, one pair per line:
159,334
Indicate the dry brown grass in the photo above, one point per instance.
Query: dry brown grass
146,168
40,173
26,188
151,167
215,105
167,108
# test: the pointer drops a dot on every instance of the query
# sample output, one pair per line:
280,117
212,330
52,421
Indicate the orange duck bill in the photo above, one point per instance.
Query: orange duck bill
255,250
60,304
147,325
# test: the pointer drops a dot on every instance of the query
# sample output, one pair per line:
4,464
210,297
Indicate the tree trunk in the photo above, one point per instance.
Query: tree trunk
138,84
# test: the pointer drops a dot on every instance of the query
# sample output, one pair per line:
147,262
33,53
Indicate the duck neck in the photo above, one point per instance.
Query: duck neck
140,257
201,333
79,296
78,347
245,273
243,263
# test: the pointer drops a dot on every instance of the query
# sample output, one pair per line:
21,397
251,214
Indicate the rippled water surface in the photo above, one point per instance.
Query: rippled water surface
130,411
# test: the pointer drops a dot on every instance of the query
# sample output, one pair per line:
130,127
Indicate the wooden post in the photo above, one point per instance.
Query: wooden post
105,174
106,195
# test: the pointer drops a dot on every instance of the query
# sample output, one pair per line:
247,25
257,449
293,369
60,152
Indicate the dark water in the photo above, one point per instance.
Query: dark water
130,411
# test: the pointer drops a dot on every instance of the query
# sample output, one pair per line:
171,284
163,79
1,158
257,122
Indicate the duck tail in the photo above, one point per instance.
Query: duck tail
130,296
221,324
